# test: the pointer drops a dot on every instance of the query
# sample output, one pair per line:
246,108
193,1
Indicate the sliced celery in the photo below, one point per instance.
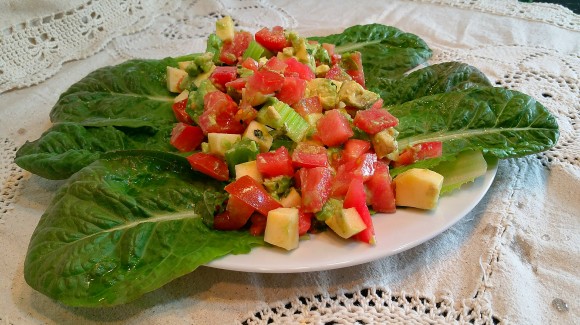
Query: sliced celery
254,51
282,117
468,166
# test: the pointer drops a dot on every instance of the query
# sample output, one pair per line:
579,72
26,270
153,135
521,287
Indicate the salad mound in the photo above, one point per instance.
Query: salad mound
304,145
266,133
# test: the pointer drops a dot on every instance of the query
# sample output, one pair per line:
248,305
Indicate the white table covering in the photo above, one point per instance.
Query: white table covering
513,259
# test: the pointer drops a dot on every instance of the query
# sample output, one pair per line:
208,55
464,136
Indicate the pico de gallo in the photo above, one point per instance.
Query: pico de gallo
289,124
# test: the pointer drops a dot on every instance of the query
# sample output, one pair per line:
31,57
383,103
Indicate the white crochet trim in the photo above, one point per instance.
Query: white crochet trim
35,50
375,305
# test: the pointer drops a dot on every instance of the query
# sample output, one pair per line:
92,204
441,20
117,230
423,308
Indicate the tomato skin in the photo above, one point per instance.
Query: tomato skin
222,75
265,81
232,51
418,152
186,137
356,198
309,155
304,221
333,128
382,195
297,69
210,165
252,193
315,185
257,224
275,163
308,105
374,120
292,90
219,114
273,40
179,111
235,216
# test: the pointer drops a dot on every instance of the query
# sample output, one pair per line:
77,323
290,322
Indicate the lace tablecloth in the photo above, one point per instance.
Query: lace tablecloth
513,259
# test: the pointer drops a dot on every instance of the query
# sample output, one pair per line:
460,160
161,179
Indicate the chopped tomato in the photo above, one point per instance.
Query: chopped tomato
337,73
297,69
252,193
273,40
235,217
356,198
275,163
418,152
219,114
237,84
222,75
333,128
304,221
307,106
354,148
275,65
180,113
210,165
186,137
315,184
307,154
292,90
334,58
374,120
246,113
354,67
382,196
361,168
265,81
257,224
250,64
232,50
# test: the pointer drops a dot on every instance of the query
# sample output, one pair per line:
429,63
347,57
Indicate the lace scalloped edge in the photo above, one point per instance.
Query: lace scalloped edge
35,50
374,305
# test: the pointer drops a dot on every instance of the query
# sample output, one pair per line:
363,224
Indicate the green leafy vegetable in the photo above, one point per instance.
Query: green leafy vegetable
499,122
387,51
126,225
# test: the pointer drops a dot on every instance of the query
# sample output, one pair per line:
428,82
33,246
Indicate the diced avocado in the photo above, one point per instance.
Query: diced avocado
318,53
203,76
280,116
240,152
330,208
278,186
385,143
292,199
282,228
183,95
418,188
183,64
195,104
219,143
248,168
312,119
346,223
321,70
299,48
325,89
224,28
259,133
214,46
353,94
174,77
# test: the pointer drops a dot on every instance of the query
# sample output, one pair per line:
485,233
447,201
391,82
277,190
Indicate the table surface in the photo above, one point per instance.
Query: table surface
512,259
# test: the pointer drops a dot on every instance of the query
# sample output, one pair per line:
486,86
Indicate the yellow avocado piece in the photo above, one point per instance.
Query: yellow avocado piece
418,188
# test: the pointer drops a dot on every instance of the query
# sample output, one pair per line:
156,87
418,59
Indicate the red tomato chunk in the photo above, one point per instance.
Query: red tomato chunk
252,193
186,137
275,163
210,165
374,120
333,128
315,186
356,198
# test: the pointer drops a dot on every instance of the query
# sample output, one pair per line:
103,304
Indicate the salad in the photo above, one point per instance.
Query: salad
290,125
170,164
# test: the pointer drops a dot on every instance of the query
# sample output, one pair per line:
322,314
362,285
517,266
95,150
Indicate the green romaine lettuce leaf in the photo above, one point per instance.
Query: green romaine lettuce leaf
126,225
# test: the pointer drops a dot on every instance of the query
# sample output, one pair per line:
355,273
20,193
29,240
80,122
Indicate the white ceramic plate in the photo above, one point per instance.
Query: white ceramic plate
395,233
